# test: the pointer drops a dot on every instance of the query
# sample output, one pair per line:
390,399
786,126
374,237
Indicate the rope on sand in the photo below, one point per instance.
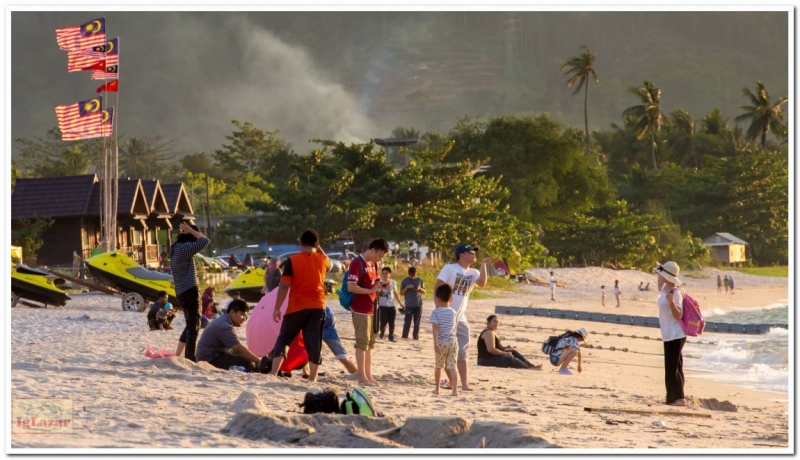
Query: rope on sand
641,321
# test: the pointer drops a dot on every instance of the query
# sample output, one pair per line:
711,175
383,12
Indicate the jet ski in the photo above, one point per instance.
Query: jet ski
249,284
36,285
138,284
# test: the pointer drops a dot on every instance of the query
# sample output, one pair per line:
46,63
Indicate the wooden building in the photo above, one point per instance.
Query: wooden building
74,205
727,248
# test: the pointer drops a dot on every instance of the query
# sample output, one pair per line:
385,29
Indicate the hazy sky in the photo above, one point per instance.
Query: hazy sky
317,75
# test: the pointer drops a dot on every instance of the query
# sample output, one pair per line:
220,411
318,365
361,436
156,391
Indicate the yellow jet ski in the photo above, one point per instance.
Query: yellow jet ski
36,285
138,284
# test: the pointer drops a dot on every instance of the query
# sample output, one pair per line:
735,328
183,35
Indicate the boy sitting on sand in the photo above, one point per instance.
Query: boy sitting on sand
445,343
164,317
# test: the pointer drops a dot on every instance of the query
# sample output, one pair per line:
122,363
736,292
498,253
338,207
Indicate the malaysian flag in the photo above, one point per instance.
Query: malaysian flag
76,38
104,129
111,71
84,59
80,115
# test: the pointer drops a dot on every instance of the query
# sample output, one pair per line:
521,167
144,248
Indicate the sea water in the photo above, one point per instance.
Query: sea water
755,361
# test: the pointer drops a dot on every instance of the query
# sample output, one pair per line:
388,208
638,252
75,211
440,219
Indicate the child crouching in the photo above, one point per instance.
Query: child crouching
445,343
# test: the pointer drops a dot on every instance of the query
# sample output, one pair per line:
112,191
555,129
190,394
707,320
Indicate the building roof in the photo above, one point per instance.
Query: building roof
177,199
722,239
131,198
60,196
156,201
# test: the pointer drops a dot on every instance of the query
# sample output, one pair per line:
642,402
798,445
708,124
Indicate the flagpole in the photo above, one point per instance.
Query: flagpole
115,128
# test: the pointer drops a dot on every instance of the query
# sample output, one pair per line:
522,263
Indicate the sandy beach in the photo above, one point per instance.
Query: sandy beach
93,352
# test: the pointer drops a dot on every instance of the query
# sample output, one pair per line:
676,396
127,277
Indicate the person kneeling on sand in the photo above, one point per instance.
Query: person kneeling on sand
568,346
331,338
155,307
445,343
164,317
492,353
219,344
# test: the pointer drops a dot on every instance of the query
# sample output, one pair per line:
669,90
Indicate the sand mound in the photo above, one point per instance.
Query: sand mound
714,404
355,431
248,402
174,363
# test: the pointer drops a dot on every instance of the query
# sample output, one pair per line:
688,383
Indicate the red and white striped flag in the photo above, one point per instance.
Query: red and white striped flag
84,59
104,129
111,71
84,114
76,38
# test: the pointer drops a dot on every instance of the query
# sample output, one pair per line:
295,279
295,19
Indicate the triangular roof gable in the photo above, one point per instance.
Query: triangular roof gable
156,201
131,198
177,199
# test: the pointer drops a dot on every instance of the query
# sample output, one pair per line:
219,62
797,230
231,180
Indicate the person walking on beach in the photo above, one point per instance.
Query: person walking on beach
603,294
552,287
386,303
730,280
304,273
445,343
670,309
727,283
719,284
184,272
412,289
362,280
463,279
617,291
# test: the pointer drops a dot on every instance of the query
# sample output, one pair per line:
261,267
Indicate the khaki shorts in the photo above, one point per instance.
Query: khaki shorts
365,336
446,358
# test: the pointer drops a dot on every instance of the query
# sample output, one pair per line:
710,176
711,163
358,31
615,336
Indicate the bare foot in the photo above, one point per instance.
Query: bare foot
436,392
538,367
374,383
466,389
679,402
364,382
455,393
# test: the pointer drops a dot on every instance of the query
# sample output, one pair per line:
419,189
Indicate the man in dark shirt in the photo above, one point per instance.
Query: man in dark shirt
184,273
154,308
220,346
412,288
272,276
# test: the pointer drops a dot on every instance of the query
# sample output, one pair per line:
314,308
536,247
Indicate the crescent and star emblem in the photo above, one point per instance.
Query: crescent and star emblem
109,47
92,106
94,26
105,116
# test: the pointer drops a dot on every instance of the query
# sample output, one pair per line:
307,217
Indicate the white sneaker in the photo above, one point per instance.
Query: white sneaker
565,371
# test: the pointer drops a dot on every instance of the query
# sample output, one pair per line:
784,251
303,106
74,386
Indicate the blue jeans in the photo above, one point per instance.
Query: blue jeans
336,348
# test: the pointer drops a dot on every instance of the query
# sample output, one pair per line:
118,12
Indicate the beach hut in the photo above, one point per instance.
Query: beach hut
726,248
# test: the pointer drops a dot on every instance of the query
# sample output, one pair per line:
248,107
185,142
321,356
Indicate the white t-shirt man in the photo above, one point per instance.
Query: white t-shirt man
462,281
552,283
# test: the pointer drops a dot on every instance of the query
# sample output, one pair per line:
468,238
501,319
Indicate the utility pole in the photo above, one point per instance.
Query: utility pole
208,207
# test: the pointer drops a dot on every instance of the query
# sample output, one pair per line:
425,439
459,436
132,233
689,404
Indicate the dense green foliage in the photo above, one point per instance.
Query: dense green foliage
522,186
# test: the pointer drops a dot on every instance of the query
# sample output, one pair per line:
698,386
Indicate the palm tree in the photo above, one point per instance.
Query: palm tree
582,68
648,114
715,123
685,135
764,116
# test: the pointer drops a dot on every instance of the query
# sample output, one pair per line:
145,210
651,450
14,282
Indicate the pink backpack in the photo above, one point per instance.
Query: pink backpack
692,320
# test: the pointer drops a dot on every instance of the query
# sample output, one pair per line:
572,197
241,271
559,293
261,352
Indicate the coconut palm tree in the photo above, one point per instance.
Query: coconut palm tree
648,115
684,136
714,123
764,116
582,69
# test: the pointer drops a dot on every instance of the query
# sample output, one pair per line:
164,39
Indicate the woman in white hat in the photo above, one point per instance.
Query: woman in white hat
567,348
670,309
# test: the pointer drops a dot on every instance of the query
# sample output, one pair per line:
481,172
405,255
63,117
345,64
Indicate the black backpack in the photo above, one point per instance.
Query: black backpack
549,345
326,402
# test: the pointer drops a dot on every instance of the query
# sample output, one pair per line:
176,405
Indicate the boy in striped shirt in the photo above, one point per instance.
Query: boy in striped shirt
445,343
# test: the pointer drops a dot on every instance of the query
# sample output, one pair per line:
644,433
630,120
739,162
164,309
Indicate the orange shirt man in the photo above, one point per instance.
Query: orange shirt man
304,273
